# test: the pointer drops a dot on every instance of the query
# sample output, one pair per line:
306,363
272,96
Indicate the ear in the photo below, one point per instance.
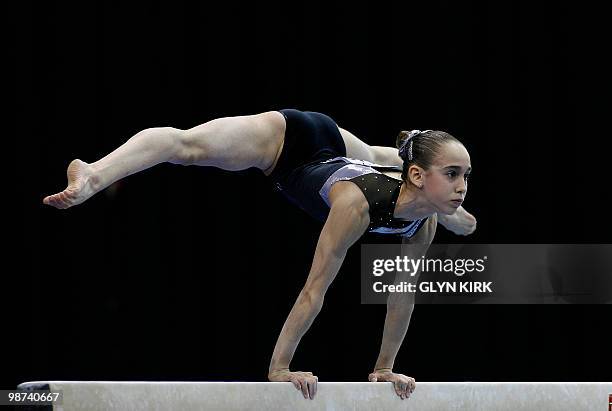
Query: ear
415,175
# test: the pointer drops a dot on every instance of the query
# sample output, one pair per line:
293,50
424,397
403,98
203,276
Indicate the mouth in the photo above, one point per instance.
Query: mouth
456,203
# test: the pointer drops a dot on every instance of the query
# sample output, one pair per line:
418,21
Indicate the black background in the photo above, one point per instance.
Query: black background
188,273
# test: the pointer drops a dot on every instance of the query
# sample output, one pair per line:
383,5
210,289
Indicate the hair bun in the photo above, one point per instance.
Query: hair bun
405,147
401,137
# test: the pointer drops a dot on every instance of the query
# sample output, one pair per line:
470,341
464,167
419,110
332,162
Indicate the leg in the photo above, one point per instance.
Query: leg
230,143
355,148
236,143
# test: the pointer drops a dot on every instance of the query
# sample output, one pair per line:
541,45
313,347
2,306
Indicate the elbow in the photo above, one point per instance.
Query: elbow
403,304
313,299
400,312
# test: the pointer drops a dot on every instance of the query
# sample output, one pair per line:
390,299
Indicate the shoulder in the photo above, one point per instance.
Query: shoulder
350,200
348,217
348,194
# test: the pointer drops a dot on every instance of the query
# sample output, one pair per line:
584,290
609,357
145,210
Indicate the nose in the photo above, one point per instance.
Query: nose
462,187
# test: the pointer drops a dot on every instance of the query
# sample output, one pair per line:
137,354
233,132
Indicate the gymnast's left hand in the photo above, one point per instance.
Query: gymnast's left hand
404,385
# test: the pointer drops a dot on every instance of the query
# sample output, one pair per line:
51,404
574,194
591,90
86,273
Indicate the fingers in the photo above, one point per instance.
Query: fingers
296,384
405,386
398,389
307,383
304,386
312,387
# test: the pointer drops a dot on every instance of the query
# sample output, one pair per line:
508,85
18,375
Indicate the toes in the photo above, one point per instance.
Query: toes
66,200
57,201
60,199
50,200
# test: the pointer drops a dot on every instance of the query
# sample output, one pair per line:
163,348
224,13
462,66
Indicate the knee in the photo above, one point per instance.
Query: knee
182,146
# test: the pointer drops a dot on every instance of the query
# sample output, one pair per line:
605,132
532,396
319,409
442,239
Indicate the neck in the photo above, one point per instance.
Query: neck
411,205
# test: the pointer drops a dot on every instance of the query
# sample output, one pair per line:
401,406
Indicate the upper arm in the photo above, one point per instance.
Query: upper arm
413,248
347,221
417,245
426,234
348,216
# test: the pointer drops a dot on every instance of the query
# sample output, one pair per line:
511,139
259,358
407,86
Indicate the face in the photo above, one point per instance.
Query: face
445,183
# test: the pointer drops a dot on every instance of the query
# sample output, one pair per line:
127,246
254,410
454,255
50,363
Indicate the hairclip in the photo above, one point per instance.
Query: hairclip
407,144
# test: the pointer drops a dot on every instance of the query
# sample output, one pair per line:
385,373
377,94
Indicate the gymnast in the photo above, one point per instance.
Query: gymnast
350,186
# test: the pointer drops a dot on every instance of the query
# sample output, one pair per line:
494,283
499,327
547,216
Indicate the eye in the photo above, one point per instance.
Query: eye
452,174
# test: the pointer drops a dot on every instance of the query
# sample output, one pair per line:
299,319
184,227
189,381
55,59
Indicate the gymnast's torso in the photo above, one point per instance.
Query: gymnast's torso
309,188
313,158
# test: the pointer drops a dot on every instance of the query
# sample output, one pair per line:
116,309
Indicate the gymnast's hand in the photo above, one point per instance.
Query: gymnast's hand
404,385
303,381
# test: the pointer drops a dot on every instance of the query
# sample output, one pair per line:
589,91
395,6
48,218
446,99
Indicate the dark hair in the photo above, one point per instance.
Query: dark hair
425,147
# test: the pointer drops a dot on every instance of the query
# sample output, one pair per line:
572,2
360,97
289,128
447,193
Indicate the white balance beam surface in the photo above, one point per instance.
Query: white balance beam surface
428,396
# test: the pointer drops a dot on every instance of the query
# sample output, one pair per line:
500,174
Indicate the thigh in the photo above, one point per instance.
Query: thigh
355,148
387,156
236,143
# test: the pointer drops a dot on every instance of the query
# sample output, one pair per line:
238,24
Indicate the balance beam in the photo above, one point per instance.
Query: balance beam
428,396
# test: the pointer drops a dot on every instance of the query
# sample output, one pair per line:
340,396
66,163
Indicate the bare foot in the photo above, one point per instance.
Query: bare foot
81,186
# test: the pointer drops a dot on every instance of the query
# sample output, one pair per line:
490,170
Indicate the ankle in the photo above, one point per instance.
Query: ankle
94,179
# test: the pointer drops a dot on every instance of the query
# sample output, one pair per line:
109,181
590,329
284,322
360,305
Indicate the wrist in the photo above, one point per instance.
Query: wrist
383,369
277,368
384,362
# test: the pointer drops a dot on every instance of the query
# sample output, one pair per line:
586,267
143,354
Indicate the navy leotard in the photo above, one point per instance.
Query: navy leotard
313,158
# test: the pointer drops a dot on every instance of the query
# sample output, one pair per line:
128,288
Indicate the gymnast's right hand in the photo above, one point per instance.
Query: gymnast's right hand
303,381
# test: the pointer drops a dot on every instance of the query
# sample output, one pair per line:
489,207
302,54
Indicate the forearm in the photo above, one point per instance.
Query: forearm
298,322
401,305
396,326
344,225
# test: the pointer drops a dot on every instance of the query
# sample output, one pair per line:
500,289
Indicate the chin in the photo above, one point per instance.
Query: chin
445,211
448,210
